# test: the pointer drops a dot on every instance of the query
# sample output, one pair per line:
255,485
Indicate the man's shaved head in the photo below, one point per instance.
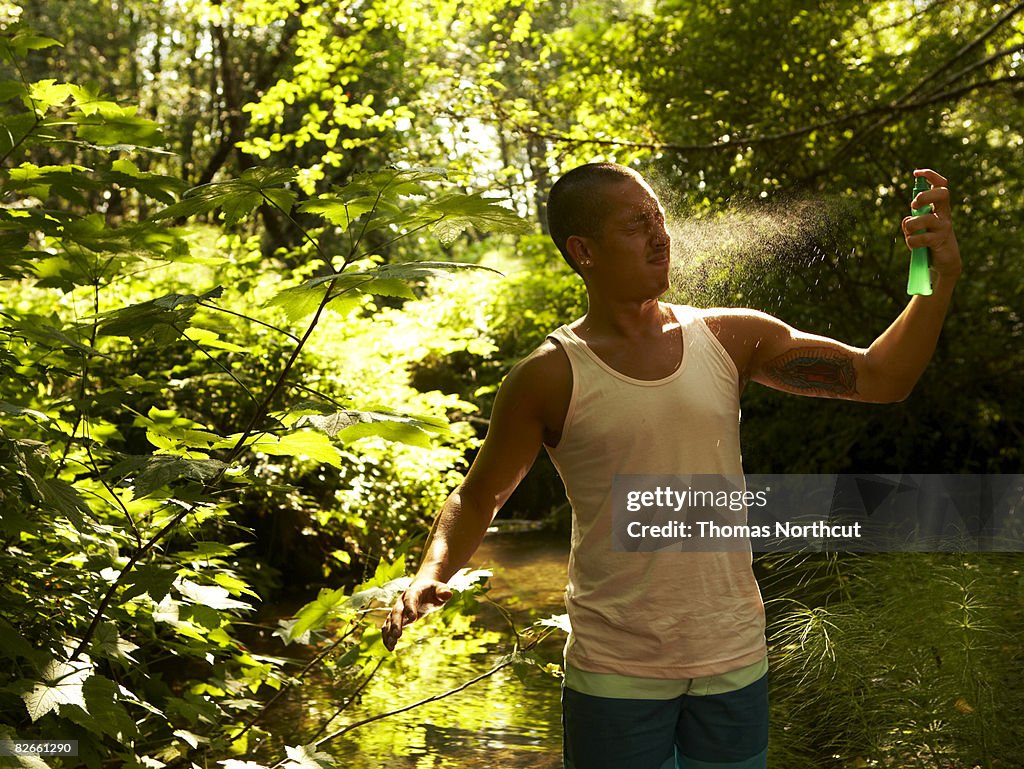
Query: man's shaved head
576,205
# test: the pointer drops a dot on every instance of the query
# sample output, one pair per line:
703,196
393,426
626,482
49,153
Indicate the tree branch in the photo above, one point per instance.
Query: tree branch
966,49
734,142
509,660
857,138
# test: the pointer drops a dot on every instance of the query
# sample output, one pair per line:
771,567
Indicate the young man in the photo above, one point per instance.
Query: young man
666,663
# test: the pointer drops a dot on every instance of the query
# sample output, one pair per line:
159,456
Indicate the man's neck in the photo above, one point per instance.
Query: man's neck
623,320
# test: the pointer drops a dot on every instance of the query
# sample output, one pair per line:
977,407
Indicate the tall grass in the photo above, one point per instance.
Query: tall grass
896,660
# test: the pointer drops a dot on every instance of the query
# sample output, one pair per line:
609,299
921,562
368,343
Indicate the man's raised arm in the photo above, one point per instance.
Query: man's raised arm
519,424
770,352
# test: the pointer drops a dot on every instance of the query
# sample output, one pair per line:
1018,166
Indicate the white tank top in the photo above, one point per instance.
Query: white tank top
665,614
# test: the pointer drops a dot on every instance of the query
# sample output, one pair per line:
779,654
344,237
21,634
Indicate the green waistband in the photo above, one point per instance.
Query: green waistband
632,687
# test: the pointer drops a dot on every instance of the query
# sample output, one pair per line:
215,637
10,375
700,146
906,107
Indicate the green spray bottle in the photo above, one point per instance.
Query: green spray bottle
919,282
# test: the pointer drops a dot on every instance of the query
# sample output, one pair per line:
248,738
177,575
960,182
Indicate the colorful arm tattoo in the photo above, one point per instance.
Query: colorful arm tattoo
814,371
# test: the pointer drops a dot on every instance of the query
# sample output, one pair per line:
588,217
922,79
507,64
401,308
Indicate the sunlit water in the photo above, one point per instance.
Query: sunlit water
501,721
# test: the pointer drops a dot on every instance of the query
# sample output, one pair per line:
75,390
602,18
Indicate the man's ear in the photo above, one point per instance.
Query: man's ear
576,245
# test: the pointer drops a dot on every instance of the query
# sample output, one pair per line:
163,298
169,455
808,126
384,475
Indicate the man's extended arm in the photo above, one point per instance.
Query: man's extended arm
517,428
769,351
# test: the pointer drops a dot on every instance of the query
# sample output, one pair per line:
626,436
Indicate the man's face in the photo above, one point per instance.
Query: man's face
632,249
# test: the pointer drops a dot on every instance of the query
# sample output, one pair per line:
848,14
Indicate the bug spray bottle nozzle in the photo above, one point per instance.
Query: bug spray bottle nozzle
919,282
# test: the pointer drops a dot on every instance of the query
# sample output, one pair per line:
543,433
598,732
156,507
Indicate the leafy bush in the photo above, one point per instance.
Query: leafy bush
165,393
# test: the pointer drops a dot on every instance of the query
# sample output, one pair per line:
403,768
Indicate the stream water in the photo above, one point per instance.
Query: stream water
504,720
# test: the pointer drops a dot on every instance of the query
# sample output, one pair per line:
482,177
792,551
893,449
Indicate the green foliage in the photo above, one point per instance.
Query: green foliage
229,359
127,488
896,660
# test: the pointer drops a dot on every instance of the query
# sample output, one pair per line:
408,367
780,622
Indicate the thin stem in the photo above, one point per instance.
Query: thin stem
120,503
325,396
401,235
109,595
264,406
487,674
80,413
362,232
35,113
351,698
287,215
505,615
298,677
216,362
211,306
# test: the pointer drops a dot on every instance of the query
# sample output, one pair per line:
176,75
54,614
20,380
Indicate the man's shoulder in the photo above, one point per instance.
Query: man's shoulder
732,320
539,386
547,362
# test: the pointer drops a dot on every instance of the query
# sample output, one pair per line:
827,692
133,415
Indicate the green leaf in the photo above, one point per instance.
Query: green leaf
307,757
237,198
126,174
211,596
67,181
16,259
458,212
21,411
17,45
376,286
304,444
211,339
382,594
341,211
48,337
376,193
10,89
394,183
298,301
468,579
386,280
558,621
351,425
150,473
64,498
192,740
61,685
14,646
103,712
112,124
153,580
203,616
65,272
15,128
423,270
44,95
106,642
163,320
315,614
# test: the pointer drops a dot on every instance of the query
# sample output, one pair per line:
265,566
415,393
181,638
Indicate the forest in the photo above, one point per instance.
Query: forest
266,262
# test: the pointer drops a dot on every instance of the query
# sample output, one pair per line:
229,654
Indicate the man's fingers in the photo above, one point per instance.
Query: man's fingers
937,196
934,177
918,236
443,593
410,606
391,630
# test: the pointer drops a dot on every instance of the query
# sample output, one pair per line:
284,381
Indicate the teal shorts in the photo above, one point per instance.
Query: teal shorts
727,730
